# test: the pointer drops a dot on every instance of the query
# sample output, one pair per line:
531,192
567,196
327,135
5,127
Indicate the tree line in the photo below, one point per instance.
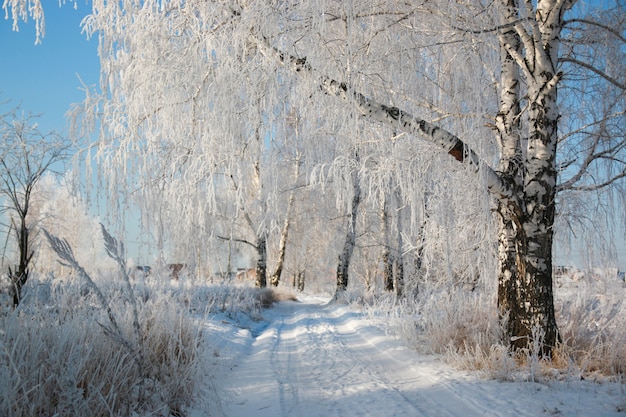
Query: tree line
444,138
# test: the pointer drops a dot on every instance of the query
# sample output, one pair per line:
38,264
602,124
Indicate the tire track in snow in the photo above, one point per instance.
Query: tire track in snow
324,360
397,369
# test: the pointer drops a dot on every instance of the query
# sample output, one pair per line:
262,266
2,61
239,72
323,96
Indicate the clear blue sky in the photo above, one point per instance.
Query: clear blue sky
43,78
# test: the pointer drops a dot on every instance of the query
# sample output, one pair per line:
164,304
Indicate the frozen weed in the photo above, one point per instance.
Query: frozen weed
55,362
96,350
592,322
465,329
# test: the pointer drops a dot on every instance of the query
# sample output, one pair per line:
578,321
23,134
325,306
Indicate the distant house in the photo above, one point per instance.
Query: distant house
140,271
175,270
246,274
223,276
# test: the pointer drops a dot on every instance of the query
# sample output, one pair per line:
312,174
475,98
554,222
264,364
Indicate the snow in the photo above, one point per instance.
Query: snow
318,358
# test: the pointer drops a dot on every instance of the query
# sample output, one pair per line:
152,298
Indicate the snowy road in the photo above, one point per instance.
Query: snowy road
314,359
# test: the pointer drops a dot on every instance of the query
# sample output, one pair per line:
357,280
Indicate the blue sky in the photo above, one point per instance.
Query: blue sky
43,78
46,78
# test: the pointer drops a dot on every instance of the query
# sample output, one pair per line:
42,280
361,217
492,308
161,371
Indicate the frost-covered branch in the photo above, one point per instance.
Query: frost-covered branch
24,10
609,29
398,119
595,70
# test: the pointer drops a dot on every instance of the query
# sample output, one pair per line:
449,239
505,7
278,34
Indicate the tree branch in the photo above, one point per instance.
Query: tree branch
595,187
508,25
595,70
593,123
600,25
237,240
591,157
398,119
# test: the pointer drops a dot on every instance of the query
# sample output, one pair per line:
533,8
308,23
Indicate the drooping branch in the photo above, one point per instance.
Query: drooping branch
593,155
597,24
595,70
247,242
398,119
599,186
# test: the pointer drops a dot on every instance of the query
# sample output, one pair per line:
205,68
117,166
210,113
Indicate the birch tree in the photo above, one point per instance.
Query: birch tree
530,54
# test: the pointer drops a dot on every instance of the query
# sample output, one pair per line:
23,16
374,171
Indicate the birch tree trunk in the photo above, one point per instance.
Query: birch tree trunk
386,257
399,258
261,263
350,241
282,246
282,250
508,130
525,291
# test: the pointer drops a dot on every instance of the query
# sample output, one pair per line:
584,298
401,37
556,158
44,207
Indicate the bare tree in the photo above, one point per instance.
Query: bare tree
25,155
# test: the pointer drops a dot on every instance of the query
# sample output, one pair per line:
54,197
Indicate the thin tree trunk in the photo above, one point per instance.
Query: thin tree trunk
282,250
399,258
421,246
350,242
386,257
399,281
300,281
21,273
261,263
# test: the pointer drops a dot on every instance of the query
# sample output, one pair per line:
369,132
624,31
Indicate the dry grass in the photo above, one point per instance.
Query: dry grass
60,361
61,355
464,328
597,354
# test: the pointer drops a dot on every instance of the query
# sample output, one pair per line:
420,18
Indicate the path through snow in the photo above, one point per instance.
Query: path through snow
312,358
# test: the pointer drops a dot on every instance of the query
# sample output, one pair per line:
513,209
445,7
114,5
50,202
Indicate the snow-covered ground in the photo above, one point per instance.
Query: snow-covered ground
313,358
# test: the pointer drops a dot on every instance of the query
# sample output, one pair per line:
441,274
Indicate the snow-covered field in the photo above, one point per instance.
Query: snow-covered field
314,358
